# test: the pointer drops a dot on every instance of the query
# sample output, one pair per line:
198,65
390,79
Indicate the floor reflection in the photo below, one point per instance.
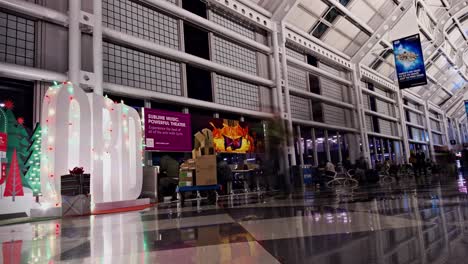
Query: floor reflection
426,223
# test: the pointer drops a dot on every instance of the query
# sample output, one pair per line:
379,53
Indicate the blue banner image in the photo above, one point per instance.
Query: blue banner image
466,107
409,62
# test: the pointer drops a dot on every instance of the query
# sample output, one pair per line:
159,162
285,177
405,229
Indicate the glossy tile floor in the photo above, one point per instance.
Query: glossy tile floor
404,223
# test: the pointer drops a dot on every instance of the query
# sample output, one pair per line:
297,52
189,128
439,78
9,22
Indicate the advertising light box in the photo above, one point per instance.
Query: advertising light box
409,62
466,107
167,131
231,136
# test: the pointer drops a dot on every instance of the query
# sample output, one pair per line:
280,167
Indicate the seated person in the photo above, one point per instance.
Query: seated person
330,166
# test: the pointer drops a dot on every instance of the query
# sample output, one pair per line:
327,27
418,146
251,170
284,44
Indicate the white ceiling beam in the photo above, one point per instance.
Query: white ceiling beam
377,35
283,10
350,16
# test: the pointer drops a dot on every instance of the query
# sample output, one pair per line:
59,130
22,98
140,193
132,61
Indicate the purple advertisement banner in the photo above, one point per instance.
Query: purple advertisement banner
167,131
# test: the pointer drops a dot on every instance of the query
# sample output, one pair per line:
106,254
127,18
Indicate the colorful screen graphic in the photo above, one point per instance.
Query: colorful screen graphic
167,131
409,62
466,107
230,136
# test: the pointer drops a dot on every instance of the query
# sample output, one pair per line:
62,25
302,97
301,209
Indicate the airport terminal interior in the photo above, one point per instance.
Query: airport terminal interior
234,131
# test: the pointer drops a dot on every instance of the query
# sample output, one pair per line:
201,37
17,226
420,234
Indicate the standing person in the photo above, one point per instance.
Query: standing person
224,174
361,168
412,161
421,161
378,166
386,165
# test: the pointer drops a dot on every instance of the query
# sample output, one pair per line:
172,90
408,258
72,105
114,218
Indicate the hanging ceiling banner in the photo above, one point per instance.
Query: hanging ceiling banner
466,107
407,50
409,62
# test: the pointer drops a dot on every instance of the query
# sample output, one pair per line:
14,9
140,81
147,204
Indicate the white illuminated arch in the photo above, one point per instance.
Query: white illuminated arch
65,137
93,132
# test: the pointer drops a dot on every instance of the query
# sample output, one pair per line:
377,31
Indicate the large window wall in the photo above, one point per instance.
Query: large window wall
317,146
418,136
322,99
224,60
382,121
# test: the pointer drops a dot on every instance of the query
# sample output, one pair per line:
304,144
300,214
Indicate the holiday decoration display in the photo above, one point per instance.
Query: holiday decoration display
33,162
13,183
3,142
91,130
117,151
77,171
3,145
3,149
66,132
11,251
17,140
3,173
16,194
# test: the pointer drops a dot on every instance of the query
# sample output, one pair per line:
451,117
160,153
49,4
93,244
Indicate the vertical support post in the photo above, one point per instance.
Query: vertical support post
147,155
361,116
376,153
284,162
401,154
382,149
390,148
97,46
459,137
429,132
284,67
327,145
314,145
300,146
74,42
406,149
340,155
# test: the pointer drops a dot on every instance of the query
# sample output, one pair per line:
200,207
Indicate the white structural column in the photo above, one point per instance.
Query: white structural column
361,114
446,132
284,161
300,145
97,47
148,156
340,155
382,149
404,131
314,145
327,145
429,131
74,41
284,67
459,135
390,152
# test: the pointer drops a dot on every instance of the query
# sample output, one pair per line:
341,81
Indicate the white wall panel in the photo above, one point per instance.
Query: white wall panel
385,127
235,56
297,78
331,89
334,115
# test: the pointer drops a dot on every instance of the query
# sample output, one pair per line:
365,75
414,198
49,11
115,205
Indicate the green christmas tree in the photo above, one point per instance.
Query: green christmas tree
33,163
17,139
